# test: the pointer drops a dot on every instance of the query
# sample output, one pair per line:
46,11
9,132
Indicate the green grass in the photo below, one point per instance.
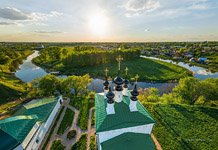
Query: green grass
185,127
93,117
66,122
81,144
92,143
84,114
57,145
52,129
147,69
83,104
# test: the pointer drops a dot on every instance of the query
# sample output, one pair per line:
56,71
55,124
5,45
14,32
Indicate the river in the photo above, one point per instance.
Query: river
29,71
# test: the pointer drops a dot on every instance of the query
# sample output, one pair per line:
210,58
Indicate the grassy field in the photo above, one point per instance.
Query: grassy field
66,122
147,69
185,127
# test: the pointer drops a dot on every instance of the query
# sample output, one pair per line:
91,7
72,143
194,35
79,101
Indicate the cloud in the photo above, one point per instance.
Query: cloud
147,29
47,32
7,23
12,13
141,5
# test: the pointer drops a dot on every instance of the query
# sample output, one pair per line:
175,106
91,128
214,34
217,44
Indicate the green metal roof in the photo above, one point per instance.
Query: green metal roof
122,118
8,142
19,125
129,141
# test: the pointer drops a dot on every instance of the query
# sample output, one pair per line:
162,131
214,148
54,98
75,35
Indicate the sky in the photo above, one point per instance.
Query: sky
108,20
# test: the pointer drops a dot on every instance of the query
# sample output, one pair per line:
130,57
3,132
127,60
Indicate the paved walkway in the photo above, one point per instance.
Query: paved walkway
157,144
90,129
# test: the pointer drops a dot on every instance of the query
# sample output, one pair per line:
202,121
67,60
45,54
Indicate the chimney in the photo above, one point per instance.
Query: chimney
125,87
134,100
110,102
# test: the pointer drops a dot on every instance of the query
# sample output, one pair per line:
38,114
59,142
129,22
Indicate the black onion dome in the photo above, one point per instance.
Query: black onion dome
134,93
118,80
126,82
110,96
106,83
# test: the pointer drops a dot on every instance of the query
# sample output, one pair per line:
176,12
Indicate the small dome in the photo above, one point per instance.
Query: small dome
106,83
134,93
110,96
118,80
126,81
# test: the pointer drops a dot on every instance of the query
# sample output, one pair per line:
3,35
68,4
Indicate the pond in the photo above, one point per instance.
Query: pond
29,71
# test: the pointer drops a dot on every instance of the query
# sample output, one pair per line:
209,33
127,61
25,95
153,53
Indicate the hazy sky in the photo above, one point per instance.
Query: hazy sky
108,20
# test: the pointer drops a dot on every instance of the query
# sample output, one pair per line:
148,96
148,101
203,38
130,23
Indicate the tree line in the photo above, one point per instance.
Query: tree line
82,56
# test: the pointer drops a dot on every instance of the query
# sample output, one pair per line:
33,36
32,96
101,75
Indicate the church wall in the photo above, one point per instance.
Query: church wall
104,136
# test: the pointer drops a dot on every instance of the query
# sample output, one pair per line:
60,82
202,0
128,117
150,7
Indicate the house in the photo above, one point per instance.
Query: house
122,122
202,60
26,129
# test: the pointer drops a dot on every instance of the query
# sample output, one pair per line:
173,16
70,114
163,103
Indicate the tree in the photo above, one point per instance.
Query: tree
49,84
188,89
77,83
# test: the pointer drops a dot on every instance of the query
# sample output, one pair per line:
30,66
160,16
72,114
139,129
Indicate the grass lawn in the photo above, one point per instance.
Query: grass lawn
93,143
147,69
66,122
81,144
185,127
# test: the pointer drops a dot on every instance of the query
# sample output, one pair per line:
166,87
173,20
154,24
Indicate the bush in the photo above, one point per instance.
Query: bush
81,144
57,145
71,134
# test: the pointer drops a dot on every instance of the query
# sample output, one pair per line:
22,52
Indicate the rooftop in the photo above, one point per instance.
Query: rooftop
19,125
129,141
122,118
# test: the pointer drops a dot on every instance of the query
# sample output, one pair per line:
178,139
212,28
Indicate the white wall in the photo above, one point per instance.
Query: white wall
42,130
106,135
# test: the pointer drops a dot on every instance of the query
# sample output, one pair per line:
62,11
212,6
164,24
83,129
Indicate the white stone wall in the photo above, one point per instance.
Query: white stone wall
107,135
37,133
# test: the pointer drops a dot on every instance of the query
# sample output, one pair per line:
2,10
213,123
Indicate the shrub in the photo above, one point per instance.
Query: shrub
57,145
71,134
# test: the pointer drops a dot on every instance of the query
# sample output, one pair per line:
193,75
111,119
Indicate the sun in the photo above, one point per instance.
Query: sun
98,24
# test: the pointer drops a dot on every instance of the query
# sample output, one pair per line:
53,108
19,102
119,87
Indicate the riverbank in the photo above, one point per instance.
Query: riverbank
12,89
148,70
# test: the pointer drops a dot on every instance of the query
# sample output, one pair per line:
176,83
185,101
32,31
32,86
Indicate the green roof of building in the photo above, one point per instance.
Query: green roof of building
122,118
129,141
19,125
7,141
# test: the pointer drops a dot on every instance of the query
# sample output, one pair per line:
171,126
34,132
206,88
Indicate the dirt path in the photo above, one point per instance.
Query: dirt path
54,135
157,144
90,130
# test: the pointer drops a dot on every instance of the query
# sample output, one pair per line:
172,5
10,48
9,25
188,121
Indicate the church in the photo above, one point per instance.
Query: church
122,122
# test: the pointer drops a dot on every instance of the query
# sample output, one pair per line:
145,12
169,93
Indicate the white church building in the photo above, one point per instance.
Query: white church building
122,122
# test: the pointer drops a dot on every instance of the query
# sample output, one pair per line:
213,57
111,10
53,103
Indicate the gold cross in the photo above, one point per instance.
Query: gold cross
126,70
136,78
119,59
106,71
